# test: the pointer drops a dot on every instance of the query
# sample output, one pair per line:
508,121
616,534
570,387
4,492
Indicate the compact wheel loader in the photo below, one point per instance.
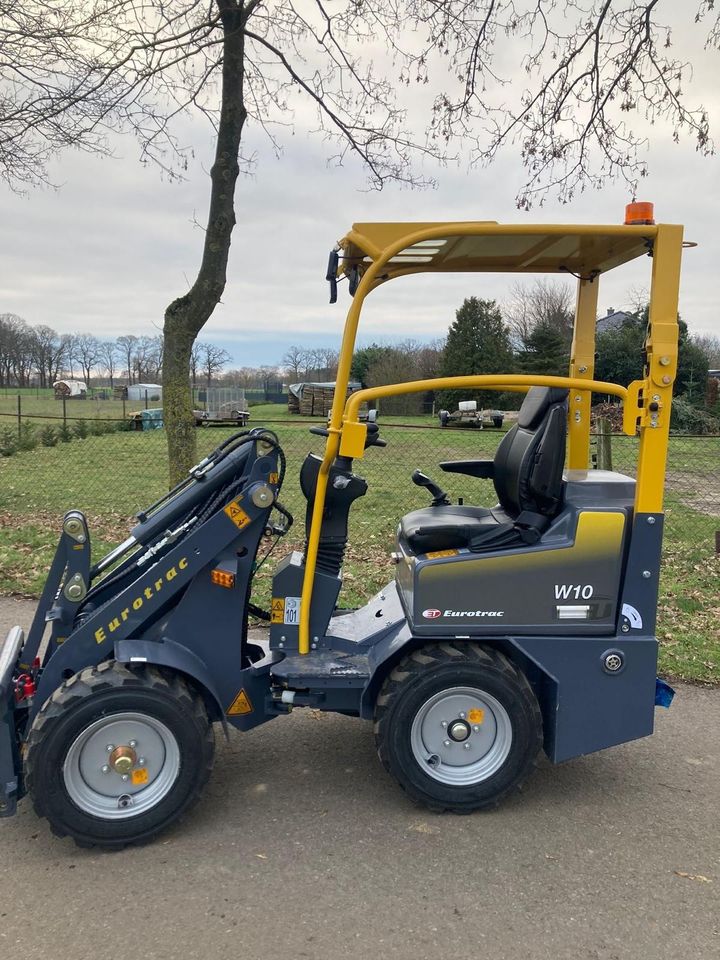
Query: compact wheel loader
506,631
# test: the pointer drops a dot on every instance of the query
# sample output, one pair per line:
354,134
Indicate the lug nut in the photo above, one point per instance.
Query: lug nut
443,723
105,768
467,746
446,743
110,747
462,716
476,729
132,743
125,776
141,761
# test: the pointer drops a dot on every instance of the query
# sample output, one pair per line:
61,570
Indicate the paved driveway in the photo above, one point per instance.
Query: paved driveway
303,848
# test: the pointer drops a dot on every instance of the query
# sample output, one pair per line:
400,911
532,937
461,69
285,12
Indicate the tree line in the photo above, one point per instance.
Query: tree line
36,354
532,333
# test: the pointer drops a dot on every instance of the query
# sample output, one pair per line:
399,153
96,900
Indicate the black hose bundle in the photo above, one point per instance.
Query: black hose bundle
217,500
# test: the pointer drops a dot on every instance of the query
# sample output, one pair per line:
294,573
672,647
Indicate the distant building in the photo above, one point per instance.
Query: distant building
138,391
613,320
70,389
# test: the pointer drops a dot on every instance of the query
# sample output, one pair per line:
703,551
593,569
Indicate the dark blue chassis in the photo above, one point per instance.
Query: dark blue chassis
173,615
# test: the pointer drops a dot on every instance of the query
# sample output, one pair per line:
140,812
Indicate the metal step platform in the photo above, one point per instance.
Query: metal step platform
322,670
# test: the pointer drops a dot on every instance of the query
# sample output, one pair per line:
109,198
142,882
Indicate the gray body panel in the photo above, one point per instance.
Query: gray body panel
570,579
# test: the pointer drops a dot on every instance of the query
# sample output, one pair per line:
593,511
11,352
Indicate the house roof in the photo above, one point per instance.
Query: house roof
612,320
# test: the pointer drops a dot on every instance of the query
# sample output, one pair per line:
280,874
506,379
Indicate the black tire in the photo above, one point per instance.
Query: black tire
98,692
421,676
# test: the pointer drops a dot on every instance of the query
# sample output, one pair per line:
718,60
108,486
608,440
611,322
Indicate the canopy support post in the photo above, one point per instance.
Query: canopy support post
582,367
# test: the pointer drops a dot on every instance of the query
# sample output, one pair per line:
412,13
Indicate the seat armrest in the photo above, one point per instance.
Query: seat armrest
483,469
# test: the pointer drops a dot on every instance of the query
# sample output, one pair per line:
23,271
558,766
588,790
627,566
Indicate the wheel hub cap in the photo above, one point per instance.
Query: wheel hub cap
459,730
123,759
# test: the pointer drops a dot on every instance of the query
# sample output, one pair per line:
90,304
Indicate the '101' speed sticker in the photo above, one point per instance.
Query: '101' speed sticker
292,610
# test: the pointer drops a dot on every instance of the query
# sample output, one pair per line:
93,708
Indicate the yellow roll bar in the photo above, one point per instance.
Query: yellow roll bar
376,253
501,381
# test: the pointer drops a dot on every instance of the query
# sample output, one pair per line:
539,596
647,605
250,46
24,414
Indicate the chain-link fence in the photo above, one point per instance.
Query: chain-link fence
94,463
47,466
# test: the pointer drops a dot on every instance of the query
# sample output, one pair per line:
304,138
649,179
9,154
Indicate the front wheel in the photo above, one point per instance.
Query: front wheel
115,756
458,726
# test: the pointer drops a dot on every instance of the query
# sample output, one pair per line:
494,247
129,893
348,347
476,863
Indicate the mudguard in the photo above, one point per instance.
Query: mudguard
176,657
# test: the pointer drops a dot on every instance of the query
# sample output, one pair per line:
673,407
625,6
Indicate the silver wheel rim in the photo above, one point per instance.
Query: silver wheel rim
98,789
461,736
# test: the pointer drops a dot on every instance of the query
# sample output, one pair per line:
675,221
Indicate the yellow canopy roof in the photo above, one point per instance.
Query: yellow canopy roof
491,247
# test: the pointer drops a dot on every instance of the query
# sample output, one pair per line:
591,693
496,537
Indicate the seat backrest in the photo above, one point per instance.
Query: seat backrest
530,458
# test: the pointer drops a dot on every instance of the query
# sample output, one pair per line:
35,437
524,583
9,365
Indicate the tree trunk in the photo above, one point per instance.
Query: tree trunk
604,444
186,316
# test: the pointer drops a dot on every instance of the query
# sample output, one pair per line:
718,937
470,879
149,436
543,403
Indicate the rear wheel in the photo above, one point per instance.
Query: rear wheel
116,756
458,726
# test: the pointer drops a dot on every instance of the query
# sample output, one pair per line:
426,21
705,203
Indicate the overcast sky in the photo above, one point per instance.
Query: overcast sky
108,250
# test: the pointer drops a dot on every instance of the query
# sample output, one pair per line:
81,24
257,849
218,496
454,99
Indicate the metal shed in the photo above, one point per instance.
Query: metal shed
138,391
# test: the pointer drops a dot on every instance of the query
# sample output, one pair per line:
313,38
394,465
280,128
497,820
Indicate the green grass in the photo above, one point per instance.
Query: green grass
112,477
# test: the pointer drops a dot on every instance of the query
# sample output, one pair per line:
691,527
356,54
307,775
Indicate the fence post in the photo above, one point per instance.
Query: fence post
19,416
146,400
64,400
123,403
604,444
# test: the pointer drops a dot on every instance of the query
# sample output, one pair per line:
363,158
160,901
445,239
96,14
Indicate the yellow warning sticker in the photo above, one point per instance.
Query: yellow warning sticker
241,704
476,715
237,514
277,610
139,776
434,554
273,478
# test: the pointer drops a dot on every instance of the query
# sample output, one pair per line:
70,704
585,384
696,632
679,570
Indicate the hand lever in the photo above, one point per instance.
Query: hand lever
440,498
373,436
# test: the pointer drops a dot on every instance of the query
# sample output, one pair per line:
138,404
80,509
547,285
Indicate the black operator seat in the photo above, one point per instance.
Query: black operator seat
527,473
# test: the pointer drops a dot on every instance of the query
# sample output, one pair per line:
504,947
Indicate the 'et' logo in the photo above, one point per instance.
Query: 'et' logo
432,614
